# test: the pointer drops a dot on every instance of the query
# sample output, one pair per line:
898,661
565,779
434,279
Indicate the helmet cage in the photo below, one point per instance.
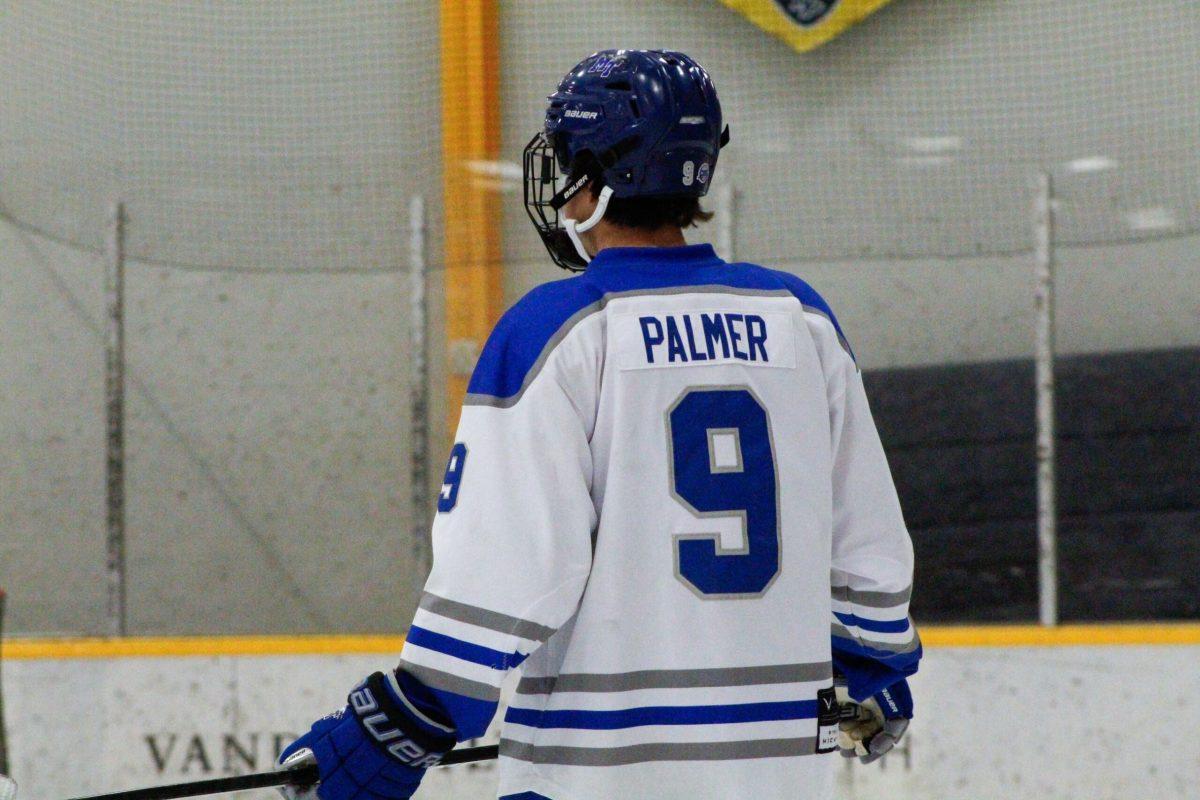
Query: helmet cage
544,200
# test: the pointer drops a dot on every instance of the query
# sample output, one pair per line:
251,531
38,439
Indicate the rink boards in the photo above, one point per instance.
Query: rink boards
1004,712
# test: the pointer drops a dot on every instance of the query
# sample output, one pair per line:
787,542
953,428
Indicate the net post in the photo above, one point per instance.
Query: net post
3,730
114,404
419,386
1047,515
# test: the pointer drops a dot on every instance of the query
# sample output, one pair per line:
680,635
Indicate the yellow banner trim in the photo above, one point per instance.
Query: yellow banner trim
935,636
767,15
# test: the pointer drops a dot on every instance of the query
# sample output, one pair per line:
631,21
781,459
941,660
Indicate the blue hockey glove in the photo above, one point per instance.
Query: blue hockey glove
376,748
872,728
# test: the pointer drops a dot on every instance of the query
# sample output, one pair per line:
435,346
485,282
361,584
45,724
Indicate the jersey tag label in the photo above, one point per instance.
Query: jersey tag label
651,340
828,715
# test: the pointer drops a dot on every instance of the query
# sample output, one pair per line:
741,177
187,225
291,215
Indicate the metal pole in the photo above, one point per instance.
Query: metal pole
114,404
3,733
419,396
1044,382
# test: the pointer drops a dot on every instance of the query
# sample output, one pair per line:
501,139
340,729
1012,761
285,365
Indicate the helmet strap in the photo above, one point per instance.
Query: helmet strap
574,228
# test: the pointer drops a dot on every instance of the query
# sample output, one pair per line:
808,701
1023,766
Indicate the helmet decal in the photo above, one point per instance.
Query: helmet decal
604,65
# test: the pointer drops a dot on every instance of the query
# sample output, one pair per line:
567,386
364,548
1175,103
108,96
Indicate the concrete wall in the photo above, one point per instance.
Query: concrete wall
268,419
960,441
268,414
267,445
892,168
919,131
926,311
1020,723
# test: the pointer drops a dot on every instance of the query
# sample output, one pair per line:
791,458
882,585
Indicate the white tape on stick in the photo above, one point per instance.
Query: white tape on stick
8,788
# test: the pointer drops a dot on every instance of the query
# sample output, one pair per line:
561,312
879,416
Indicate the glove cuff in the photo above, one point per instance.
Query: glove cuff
393,724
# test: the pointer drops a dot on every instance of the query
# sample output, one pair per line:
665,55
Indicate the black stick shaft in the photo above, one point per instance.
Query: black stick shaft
261,780
298,777
470,754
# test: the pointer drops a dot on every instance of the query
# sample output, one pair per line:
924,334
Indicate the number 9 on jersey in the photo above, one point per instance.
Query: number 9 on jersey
723,465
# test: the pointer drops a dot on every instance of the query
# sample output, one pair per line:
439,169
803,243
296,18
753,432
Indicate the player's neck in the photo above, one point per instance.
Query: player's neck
604,236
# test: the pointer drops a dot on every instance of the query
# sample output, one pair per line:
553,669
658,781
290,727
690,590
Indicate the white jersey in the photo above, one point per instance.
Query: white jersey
667,488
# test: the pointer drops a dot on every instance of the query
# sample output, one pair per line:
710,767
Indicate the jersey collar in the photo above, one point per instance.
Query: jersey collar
692,255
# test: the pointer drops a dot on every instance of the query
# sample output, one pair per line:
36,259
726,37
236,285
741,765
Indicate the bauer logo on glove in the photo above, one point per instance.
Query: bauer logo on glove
376,723
375,748
872,728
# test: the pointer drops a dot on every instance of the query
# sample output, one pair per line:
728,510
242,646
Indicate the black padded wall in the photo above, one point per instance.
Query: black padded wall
960,440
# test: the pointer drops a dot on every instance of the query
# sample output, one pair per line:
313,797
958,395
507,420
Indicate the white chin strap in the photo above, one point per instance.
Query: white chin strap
574,228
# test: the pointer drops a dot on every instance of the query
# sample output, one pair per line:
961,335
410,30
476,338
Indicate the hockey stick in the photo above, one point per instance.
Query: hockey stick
293,777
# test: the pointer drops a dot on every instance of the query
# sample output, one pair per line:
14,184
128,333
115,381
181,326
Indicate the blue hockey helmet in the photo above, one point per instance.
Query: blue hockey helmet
637,123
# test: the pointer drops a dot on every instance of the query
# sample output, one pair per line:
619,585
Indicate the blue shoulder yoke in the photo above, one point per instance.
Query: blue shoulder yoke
525,332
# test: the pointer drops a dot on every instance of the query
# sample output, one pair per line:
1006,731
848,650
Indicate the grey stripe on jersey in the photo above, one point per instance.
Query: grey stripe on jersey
821,313
484,618
677,678
449,682
665,751
593,308
871,599
912,643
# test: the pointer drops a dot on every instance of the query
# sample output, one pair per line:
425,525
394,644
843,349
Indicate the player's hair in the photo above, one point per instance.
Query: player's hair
653,212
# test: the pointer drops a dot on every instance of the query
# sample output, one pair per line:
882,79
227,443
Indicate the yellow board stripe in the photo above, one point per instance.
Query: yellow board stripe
1063,636
932,636
170,646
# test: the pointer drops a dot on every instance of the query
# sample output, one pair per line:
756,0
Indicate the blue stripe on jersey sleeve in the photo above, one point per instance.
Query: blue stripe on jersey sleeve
419,697
467,651
469,716
663,715
868,670
875,625
895,660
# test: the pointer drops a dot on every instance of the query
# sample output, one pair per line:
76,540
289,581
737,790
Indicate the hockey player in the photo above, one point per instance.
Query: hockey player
667,492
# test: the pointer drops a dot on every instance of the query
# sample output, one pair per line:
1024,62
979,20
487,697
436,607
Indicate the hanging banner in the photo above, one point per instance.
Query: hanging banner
805,24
